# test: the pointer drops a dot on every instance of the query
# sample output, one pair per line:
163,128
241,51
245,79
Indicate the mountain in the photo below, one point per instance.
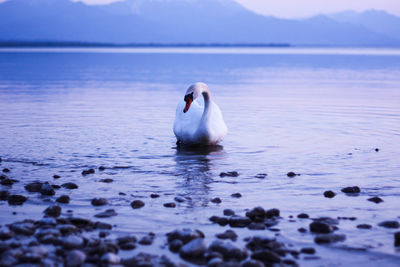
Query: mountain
175,21
373,20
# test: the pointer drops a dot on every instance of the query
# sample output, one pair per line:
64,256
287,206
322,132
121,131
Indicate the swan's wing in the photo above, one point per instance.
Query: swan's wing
217,124
186,124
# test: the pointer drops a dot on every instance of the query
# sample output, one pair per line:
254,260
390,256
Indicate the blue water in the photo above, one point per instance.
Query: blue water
317,112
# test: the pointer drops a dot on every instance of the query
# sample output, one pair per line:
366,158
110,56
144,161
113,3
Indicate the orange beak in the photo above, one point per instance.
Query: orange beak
188,103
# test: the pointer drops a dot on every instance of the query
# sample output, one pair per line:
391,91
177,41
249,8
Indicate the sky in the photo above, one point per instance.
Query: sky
302,8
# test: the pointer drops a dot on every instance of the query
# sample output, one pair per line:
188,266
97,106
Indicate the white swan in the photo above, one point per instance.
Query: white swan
198,120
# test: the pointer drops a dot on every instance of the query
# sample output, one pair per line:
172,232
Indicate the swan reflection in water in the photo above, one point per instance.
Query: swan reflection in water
194,171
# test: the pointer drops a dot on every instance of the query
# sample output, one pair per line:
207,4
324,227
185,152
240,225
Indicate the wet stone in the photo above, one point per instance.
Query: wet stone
53,211
376,200
175,245
303,216
216,200
55,176
5,234
261,175
272,213
229,174
329,194
397,239
72,242
215,262
75,258
47,190
147,239
64,199
69,185
5,170
302,230
239,221
185,235
227,250
351,190
390,224
137,204
16,199
87,172
268,257
169,205
291,174
193,249
228,234
56,186
364,226
102,168
308,250
4,195
23,228
33,187
110,258
179,199
219,220
154,195
106,214
107,180
102,225
256,226
236,195
7,181
228,212
99,201
329,238
251,263
320,227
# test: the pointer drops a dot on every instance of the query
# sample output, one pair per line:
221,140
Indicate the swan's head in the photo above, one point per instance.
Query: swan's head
192,93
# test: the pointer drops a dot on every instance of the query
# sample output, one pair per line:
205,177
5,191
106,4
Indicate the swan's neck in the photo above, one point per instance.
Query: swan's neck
207,106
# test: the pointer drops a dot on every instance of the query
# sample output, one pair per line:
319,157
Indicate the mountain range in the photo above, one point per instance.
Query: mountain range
188,22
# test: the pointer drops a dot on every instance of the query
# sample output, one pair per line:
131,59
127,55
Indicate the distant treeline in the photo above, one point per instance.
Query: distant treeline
89,44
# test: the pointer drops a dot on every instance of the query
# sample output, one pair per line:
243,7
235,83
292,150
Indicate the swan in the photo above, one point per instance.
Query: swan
198,120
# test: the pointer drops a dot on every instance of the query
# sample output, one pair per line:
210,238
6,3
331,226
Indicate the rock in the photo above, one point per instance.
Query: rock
376,200
106,214
72,242
7,181
228,212
53,211
291,174
228,234
329,194
257,226
179,199
33,187
137,204
69,186
329,238
102,225
272,213
110,258
99,201
397,239
16,199
302,230
320,227
5,170
25,227
220,220
227,250
239,221
63,199
389,224
193,249
55,176
261,175
4,195
47,190
56,186
147,260
185,235
236,195
102,168
106,180
75,258
351,190
303,216
147,239
216,200
170,205
229,174
154,195
251,263
377,149
364,226
86,172
5,235
268,257
175,245
308,250
215,262
127,242
257,214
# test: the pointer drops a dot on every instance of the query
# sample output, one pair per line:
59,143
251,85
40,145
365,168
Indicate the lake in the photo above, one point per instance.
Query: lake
319,112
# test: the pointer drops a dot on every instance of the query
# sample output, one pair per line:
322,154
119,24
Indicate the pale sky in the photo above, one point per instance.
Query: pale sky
303,8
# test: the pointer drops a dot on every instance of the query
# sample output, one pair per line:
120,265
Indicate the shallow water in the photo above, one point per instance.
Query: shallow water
320,114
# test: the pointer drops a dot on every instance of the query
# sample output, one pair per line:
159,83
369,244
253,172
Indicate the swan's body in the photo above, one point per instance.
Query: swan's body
198,120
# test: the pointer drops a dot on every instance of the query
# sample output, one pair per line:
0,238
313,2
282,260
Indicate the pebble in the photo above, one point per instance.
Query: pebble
179,199
303,216
55,176
228,234
69,186
268,257
63,199
106,214
351,190
376,200
7,181
47,190
5,170
251,263
33,187
110,258
86,172
239,221
185,235
154,195
308,250
236,195
320,227
72,242
272,213
16,199
329,194
302,230
102,168
107,180
170,205
227,250
229,174
329,238
53,211
4,195
291,174
389,224
219,220
137,204
397,239
99,201
228,212
147,239
75,258
175,245
364,226
215,262
193,249
216,200
377,149
261,175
